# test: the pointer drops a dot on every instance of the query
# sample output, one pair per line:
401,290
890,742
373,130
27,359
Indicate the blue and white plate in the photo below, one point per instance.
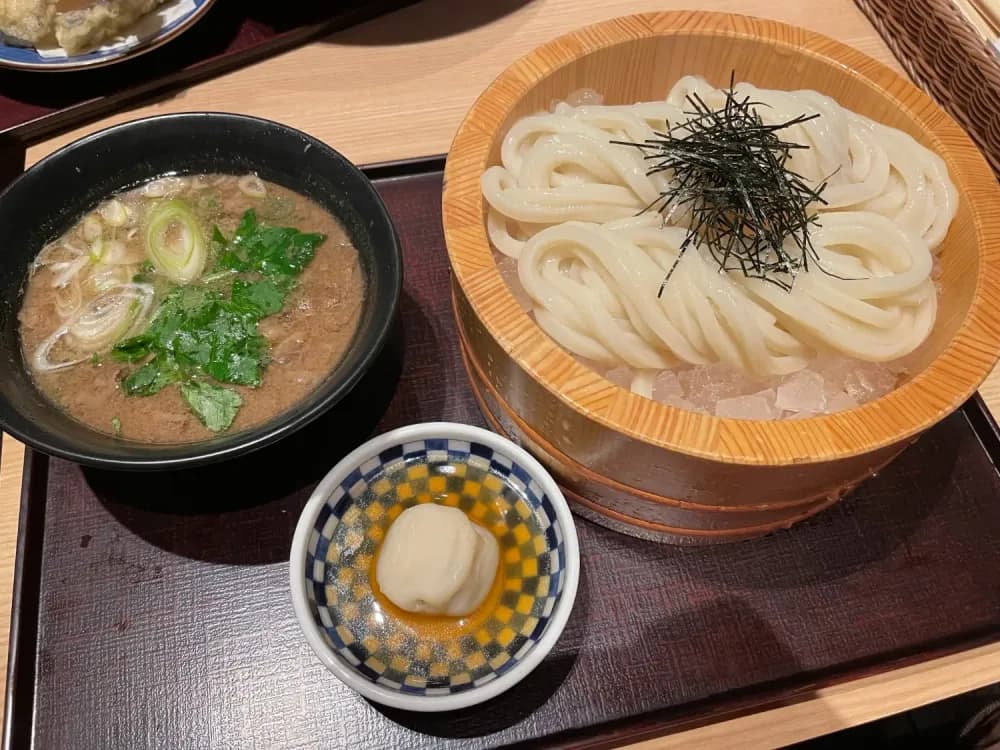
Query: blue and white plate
148,33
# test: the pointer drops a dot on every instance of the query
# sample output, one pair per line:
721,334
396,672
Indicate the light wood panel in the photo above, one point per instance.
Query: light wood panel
398,87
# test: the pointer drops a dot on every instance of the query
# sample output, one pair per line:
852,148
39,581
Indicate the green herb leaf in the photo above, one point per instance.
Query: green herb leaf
261,297
116,425
132,349
216,407
152,377
271,251
95,358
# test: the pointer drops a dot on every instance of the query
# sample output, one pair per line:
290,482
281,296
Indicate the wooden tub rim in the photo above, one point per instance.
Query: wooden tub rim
941,388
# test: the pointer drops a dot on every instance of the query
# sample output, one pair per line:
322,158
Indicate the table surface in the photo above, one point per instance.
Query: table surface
397,88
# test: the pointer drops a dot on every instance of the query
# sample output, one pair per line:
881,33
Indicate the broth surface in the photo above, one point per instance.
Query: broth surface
307,338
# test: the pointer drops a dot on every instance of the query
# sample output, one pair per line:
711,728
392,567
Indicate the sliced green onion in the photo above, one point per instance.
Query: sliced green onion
110,317
252,186
175,242
114,213
92,228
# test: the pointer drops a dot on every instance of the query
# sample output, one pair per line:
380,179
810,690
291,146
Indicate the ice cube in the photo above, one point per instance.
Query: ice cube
508,270
621,376
707,384
802,392
840,402
799,414
868,382
667,385
757,406
682,403
835,369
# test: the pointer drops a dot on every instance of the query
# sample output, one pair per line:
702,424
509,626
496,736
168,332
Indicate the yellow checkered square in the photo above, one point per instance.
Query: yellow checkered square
404,491
521,533
439,669
349,611
483,636
524,603
504,614
475,660
543,587
375,665
505,636
493,483
382,486
374,511
522,509
345,634
400,663
499,660
417,471
529,567
436,484
529,626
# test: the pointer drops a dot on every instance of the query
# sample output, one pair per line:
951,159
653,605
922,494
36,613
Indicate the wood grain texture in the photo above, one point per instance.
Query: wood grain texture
349,91
662,449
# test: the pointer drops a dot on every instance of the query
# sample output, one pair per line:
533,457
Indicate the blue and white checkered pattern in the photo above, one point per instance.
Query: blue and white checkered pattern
344,540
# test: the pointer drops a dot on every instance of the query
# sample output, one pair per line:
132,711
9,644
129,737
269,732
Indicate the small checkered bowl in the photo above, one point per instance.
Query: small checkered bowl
421,662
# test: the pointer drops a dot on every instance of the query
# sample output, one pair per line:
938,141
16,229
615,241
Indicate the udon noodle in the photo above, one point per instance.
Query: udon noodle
569,205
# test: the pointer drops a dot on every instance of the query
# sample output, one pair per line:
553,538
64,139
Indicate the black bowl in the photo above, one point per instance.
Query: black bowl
46,200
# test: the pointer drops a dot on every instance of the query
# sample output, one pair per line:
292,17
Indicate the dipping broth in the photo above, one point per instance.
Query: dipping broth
129,331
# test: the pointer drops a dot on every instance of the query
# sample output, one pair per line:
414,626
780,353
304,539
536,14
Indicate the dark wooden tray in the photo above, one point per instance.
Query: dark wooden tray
38,104
153,612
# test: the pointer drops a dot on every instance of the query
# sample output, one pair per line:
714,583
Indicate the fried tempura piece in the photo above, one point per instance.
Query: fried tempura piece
82,30
27,22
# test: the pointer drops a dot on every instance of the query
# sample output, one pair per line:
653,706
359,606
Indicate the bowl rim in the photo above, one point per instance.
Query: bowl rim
370,449
282,425
934,393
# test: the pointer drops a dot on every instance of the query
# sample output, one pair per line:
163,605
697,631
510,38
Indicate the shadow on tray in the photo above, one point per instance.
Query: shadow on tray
425,20
244,511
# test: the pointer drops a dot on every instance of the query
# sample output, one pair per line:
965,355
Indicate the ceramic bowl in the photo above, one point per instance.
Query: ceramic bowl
434,663
53,194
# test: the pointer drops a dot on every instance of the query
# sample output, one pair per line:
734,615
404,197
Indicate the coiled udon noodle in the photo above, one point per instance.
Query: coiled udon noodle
568,204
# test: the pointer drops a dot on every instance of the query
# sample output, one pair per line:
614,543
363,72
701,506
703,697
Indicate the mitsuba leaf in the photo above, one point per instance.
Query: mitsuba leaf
152,377
263,297
270,251
216,407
